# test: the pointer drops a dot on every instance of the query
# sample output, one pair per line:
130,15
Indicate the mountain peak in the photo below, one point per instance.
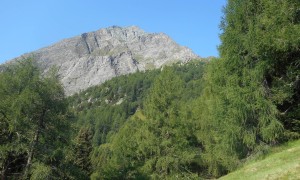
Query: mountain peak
94,57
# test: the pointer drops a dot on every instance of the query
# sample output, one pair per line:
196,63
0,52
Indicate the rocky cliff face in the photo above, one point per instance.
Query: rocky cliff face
92,58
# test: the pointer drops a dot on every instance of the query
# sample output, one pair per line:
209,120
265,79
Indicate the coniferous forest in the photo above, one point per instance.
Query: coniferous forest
202,119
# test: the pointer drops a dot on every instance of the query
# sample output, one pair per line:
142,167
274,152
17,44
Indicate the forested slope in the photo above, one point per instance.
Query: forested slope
186,121
109,109
108,106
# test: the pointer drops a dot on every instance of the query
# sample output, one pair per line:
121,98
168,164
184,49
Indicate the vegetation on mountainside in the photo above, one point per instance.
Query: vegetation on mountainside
155,142
183,121
250,98
106,107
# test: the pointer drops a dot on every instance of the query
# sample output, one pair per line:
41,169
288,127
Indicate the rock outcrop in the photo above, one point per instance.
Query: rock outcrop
92,58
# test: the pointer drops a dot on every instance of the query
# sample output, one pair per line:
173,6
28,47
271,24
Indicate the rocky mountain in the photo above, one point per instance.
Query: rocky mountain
92,58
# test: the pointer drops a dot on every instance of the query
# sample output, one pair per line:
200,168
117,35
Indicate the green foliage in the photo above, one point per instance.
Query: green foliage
32,114
154,143
169,153
258,34
233,119
41,171
106,107
175,123
83,149
251,94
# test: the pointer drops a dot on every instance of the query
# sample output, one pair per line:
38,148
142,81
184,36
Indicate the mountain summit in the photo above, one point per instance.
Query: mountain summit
92,58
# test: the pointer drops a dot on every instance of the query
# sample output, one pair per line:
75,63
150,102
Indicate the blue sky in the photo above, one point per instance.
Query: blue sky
28,25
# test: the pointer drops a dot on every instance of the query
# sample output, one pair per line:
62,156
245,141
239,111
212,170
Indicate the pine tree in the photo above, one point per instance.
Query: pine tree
83,149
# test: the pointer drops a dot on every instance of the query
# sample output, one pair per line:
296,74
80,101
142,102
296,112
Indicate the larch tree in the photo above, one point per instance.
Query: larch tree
32,116
83,149
251,94
154,143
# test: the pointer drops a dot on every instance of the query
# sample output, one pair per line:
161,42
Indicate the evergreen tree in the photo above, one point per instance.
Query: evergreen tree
83,149
251,93
262,36
168,152
32,118
154,143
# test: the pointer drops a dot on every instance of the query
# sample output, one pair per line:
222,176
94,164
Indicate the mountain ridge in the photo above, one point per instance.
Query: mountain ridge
92,58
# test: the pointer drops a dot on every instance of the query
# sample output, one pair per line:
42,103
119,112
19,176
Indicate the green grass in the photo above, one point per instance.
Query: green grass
281,163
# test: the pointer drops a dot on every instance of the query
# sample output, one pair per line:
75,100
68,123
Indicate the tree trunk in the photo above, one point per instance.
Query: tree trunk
31,152
3,172
6,160
33,144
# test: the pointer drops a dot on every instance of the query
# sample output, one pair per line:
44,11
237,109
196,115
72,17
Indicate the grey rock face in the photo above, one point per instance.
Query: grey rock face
92,58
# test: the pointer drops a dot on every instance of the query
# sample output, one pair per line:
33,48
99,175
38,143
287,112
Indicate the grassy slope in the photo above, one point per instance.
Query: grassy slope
282,163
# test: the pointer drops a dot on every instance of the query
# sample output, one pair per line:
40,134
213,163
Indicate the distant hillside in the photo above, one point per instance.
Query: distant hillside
92,58
107,106
283,163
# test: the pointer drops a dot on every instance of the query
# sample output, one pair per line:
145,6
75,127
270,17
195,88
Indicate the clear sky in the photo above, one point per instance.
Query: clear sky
27,25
